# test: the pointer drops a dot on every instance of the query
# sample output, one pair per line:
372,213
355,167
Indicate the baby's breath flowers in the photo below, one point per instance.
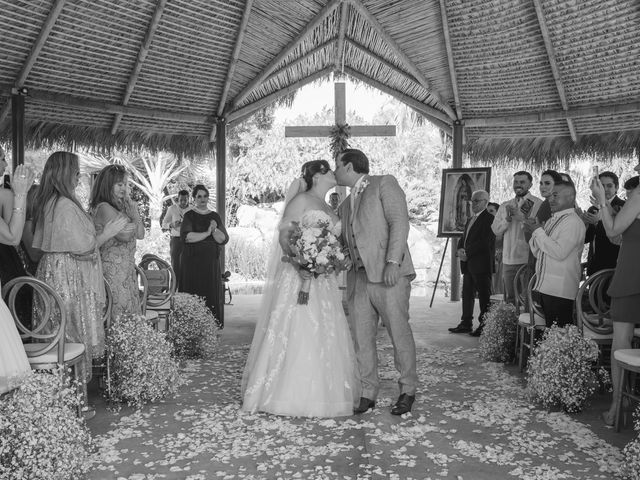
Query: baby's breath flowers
193,331
560,371
41,436
142,369
499,333
631,452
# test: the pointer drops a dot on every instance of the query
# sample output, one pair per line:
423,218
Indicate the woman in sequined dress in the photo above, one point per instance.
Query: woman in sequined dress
71,261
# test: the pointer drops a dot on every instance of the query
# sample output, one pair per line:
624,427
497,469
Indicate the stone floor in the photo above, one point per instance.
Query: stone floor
471,420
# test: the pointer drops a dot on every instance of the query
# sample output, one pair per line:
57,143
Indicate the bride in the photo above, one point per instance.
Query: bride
302,361
13,359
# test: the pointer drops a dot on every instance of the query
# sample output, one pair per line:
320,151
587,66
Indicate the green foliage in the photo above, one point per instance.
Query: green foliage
247,258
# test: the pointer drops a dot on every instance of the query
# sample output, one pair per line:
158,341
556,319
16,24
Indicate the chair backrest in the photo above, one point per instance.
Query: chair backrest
143,286
593,305
161,279
49,319
520,284
533,305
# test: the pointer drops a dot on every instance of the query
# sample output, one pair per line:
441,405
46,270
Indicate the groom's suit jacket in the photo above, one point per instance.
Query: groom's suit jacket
377,230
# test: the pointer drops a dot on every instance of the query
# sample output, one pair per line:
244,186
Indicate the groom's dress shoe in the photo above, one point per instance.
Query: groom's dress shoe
403,405
365,404
477,332
460,329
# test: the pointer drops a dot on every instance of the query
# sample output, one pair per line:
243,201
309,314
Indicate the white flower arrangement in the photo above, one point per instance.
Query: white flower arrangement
142,368
560,370
631,452
41,436
497,341
193,330
316,247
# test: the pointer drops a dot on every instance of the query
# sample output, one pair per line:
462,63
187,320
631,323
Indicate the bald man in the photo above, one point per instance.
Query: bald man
476,254
558,247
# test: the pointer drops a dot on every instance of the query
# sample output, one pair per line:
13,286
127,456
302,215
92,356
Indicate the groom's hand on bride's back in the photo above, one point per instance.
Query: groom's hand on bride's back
391,273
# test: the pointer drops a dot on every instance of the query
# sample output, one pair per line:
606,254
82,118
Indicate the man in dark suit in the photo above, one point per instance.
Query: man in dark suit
476,252
602,252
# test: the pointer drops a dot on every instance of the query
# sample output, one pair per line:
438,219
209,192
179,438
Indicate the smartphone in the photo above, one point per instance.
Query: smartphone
526,207
594,171
6,181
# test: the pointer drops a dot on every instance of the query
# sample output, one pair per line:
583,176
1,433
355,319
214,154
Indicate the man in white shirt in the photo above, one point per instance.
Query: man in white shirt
558,247
508,224
172,221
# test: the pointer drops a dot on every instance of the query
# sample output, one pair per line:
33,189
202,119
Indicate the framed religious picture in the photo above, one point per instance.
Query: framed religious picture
457,186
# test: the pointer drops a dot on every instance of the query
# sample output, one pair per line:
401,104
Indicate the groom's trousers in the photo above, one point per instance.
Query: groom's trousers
369,302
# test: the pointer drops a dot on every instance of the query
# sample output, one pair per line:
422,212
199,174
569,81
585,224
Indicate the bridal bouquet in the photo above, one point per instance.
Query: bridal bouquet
316,249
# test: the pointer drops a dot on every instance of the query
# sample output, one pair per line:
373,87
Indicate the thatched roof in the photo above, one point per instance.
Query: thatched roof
529,78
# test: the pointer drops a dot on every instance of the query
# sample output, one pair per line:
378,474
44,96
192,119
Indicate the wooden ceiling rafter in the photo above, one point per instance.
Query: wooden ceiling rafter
553,64
67,100
452,70
241,114
232,65
300,60
572,113
383,61
142,56
291,46
434,115
47,26
344,14
393,46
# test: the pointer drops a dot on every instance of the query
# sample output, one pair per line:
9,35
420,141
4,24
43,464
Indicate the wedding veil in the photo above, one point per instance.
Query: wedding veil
275,267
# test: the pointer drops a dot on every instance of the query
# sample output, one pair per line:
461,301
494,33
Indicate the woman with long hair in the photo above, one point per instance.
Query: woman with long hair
71,261
109,201
202,234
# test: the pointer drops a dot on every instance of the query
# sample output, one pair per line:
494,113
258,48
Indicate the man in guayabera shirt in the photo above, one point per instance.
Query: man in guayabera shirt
508,224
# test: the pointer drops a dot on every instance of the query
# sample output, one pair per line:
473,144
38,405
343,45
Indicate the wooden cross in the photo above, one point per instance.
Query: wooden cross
341,119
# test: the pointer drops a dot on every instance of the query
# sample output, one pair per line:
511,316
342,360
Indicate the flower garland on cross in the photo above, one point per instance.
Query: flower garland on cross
339,135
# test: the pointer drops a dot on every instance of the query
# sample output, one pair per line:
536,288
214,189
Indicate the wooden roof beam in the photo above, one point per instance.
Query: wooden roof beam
241,114
233,64
300,60
317,20
344,13
551,55
42,96
52,17
433,115
373,21
383,61
452,69
573,113
142,56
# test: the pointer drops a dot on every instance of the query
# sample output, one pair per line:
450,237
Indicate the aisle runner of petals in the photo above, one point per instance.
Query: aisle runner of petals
469,416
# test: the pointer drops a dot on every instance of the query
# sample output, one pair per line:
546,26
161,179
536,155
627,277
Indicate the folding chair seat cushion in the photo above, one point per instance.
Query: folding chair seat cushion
155,299
152,316
497,298
71,352
524,320
629,356
587,333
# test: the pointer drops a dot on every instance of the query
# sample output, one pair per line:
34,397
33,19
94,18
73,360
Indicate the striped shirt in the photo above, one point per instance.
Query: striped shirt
558,247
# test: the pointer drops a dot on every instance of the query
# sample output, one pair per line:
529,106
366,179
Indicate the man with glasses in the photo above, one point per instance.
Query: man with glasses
476,254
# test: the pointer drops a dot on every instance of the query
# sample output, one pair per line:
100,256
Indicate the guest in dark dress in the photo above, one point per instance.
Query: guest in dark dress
625,285
202,233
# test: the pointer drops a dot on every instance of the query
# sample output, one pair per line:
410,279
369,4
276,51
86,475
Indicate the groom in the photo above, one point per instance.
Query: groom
375,226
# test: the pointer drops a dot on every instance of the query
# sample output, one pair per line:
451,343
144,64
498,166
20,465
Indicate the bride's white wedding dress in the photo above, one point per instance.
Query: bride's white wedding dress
302,360
13,359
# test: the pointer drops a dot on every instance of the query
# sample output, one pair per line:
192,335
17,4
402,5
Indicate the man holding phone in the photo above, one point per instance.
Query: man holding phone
508,224
602,252
172,221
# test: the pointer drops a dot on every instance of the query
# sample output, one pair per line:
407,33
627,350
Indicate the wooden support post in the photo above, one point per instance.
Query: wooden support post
458,131
17,128
221,190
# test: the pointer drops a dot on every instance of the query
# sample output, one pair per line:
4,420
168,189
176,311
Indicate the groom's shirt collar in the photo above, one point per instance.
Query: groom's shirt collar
357,184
